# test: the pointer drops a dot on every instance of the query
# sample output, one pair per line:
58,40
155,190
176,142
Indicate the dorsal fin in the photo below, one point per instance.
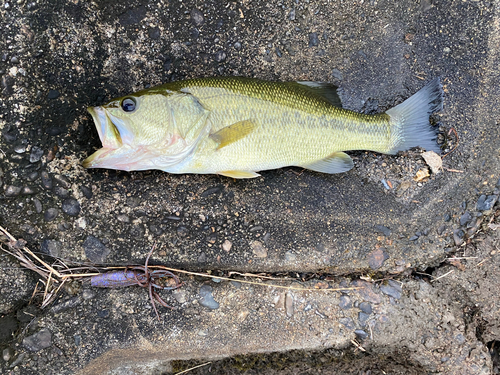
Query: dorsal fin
323,89
233,133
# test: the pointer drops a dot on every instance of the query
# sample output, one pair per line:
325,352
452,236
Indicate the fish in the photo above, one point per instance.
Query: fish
238,126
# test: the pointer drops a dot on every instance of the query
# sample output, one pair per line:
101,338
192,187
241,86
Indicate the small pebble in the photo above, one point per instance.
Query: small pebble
365,307
12,191
7,354
38,205
19,149
207,299
95,250
362,335
290,256
154,33
485,203
62,181
392,289
345,302
258,249
61,192
237,46
212,191
465,218
46,180
35,154
53,94
71,207
123,218
226,246
363,317
458,235
88,294
376,258
179,295
197,17
51,247
103,313
220,56
40,340
33,176
86,192
313,39
28,190
460,338
50,214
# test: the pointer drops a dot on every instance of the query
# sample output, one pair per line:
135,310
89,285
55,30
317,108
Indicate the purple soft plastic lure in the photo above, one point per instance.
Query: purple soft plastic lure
115,279
138,275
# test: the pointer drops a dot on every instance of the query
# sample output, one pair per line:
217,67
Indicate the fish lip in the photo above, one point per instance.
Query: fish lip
108,134
95,160
99,116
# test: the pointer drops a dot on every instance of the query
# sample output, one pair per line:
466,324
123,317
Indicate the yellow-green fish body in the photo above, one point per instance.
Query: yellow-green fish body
238,126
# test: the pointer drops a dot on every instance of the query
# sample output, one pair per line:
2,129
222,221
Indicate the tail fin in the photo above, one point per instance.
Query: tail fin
410,119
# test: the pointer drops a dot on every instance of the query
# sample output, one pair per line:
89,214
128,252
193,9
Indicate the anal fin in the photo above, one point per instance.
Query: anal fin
233,133
337,162
239,174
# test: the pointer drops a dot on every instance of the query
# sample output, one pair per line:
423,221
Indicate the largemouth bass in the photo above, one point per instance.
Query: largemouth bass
236,126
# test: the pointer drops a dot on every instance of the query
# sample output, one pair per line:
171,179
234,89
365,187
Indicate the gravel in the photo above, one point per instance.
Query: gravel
35,154
50,214
53,94
46,180
95,250
486,202
71,207
38,341
51,247
207,299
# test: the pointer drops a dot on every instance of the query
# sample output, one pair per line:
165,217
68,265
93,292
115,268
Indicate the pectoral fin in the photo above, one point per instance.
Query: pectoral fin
233,133
239,174
337,162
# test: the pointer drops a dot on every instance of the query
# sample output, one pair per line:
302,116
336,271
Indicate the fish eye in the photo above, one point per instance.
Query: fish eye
129,104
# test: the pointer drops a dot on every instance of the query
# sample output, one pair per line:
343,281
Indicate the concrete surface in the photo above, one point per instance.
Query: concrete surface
57,58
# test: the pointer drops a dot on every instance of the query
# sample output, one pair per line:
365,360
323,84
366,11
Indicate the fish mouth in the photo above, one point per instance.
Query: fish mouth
108,134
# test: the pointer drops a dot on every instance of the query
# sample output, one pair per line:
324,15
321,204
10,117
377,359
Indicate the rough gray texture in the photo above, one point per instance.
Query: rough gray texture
54,64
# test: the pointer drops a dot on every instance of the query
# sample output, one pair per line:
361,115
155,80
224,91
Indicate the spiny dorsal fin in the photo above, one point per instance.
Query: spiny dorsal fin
239,174
233,133
337,162
325,90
